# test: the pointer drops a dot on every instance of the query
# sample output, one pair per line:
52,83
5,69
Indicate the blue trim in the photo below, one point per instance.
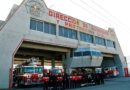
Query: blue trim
87,52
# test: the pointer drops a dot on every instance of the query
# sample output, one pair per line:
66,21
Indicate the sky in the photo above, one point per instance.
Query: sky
103,13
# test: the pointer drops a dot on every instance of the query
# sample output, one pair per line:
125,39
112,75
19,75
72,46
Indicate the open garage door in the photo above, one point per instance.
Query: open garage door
109,65
47,56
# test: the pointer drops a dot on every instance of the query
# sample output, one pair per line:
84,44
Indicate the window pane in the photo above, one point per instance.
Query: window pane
89,38
38,70
110,43
66,32
28,70
86,53
114,45
81,36
61,31
78,54
33,24
86,37
99,53
74,34
94,53
46,27
39,26
53,29
70,34
100,41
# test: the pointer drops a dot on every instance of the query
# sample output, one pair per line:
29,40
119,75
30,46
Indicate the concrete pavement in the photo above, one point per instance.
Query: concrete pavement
110,84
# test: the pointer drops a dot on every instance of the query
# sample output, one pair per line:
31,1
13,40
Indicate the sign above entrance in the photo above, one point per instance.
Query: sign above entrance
76,24
69,21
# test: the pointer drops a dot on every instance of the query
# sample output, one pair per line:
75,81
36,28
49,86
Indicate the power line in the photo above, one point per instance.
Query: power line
107,12
98,12
94,9
104,9
90,12
124,28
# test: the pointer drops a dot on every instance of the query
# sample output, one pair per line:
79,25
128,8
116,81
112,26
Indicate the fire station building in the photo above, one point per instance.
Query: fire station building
33,30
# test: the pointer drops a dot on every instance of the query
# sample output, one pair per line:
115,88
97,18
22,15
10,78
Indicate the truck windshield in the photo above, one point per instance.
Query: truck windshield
55,71
28,69
38,70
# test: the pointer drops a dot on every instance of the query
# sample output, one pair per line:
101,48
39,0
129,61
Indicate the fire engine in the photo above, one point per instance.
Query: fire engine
28,73
111,71
58,73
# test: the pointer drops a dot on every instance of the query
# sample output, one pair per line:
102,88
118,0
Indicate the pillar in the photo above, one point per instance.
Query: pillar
119,65
53,63
68,63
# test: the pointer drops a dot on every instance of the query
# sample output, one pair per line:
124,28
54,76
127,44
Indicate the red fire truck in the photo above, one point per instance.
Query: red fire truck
111,71
28,73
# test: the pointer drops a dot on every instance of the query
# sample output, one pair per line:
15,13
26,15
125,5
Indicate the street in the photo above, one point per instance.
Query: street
115,84
110,84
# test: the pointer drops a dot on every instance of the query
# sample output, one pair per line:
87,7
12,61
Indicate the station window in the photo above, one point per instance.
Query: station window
114,44
53,29
36,25
93,53
77,53
66,32
33,24
49,28
46,27
43,26
86,53
61,31
73,34
39,26
100,41
110,43
86,37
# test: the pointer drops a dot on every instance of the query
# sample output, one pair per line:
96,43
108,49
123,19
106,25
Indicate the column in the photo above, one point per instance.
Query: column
106,43
42,62
53,63
78,37
68,63
94,42
57,29
64,62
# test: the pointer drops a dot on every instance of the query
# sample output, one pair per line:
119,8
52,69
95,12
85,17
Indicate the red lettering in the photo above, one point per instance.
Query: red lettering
74,21
74,26
61,17
66,23
69,19
57,16
70,25
77,22
65,18
50,13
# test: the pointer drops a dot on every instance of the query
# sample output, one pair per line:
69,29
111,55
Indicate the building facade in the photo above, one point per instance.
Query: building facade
32,29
